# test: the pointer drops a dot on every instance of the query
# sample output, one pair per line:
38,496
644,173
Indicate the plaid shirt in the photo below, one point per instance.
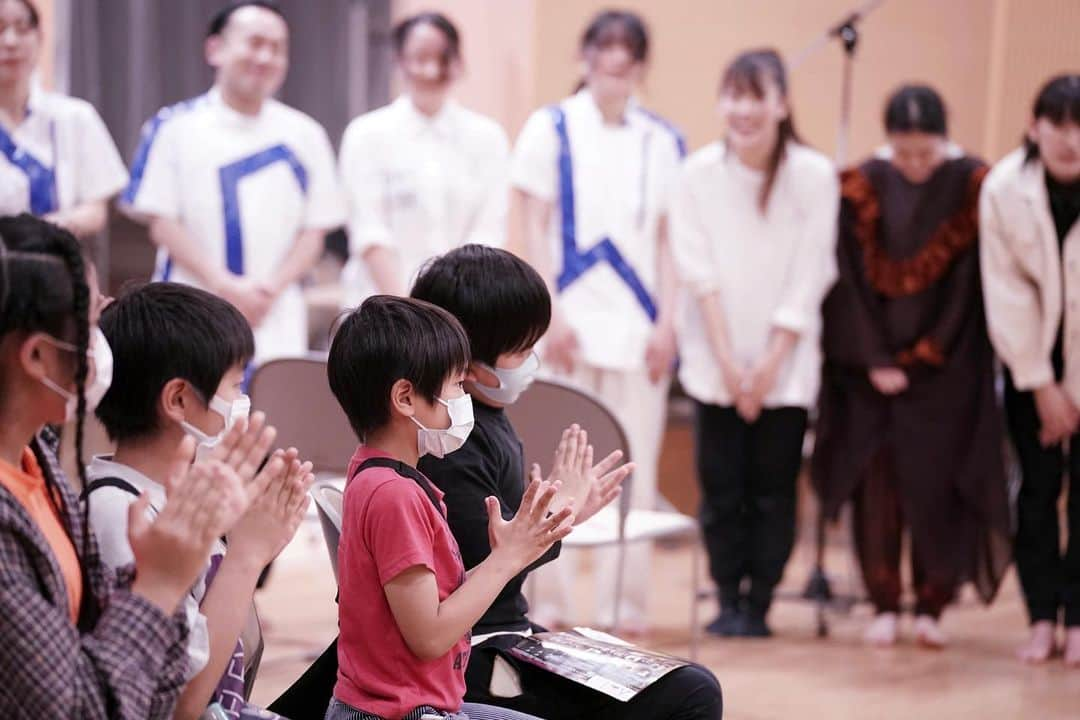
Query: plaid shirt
126,659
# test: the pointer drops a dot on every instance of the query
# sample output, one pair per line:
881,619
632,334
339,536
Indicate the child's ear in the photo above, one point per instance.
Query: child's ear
174,400
402,399
481,376
31,357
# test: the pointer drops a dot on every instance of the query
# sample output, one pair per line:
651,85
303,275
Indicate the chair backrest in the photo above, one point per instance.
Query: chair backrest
328,501
296,397
548,407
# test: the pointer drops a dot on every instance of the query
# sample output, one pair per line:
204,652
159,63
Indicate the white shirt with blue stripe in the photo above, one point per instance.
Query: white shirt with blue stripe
60,156
609,185
243,187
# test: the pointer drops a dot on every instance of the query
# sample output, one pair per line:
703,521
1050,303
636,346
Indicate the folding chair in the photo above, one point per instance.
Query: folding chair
295,395
328,499
540,416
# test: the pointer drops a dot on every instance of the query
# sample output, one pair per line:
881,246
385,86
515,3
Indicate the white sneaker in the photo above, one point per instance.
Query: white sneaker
883,631
929,634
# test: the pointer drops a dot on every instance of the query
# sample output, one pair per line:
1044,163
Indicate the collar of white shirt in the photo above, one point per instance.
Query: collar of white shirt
415,122
585,100
102,466
213,96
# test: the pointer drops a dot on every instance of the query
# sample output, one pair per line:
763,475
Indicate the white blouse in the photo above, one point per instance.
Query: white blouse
422,186
770,270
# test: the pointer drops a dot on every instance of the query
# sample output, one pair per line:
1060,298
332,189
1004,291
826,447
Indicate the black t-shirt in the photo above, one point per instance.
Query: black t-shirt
491,463
1064,204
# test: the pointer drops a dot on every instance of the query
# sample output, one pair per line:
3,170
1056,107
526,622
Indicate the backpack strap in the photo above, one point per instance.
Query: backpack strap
115,482
404,471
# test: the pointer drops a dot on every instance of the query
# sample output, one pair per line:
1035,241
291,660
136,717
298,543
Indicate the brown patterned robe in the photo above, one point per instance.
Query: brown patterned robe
909,296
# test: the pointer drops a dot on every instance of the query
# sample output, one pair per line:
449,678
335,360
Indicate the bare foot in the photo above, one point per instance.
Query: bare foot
883,631
1072,647
1040,644
928,633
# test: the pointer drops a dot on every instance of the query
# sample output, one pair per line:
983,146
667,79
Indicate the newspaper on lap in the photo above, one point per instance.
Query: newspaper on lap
597,660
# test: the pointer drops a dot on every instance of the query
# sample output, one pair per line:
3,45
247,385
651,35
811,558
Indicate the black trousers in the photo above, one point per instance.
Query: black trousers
688,693
1050,579
748,473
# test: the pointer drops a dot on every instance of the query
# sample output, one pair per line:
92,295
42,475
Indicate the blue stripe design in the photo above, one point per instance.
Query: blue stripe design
230,176
147,137
575,262
42,179
676,133
146,141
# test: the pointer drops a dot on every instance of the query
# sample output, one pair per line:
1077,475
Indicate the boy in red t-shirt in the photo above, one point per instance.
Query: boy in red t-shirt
397,366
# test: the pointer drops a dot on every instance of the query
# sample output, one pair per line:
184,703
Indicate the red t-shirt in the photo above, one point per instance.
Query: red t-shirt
389,525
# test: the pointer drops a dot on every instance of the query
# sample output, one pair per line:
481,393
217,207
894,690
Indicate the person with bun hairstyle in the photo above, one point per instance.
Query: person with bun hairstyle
909,427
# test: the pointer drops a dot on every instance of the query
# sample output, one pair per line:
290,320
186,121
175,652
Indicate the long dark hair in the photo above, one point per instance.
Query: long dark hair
749,72
620,26
45,290
1057,101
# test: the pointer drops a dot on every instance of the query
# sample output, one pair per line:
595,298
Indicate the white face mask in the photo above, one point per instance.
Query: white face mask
101,357
232,412
512,381
439,443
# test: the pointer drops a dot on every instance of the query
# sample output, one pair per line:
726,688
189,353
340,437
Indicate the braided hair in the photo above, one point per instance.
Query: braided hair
45,290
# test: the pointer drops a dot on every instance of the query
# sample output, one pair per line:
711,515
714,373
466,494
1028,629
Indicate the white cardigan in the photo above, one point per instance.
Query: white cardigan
1023,276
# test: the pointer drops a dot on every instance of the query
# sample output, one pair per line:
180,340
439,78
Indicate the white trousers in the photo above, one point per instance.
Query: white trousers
641,407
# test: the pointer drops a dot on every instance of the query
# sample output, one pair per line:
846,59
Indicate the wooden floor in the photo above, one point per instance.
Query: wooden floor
794,675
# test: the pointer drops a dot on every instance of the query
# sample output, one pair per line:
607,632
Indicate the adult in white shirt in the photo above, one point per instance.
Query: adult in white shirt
592,174
57,159
753,224
423,175
239,189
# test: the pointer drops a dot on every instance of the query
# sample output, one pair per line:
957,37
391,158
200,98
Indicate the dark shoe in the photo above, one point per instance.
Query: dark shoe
728,624
754,626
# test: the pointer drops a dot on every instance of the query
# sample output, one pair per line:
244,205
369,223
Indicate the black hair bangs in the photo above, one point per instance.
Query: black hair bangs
388,339
500,300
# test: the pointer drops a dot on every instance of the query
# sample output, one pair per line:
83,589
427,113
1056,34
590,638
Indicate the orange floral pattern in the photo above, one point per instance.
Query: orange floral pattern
926,351
897,278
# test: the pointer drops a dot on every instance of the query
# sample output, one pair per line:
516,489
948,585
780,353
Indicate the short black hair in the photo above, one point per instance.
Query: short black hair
619,26
388,339
500,300
221,18
159,332
1058,100
916,108
437,20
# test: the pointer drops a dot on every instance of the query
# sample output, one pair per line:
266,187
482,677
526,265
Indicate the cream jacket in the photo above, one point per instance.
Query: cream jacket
1027,281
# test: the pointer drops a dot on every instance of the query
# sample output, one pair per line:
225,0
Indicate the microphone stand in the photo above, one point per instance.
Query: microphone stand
847,32
818,588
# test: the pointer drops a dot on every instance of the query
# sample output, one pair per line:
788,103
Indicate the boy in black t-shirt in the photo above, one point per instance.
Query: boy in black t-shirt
505,308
